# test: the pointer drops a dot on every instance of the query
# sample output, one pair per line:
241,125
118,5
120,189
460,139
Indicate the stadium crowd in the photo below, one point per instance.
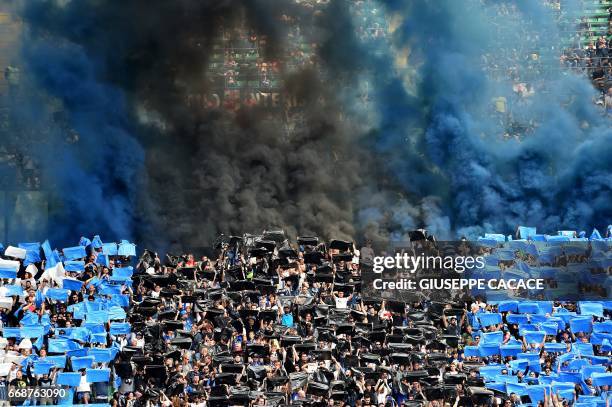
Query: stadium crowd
263,322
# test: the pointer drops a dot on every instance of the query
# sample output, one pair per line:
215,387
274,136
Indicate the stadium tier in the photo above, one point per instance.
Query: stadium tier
262,321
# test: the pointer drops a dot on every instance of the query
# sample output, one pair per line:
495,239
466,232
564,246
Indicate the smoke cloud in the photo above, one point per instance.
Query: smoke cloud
203,172
555,177
381,147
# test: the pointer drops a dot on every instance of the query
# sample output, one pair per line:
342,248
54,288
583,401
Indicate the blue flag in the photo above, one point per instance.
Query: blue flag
8,268
591,308
96,305
84,241
57,258
58,345
510,350
488,349
95,327
487,242
536,393
93,282
101,355
534,336
519,245
61,345
566,316
526,232
116,312
43,366
39,298
78,310
58,294
547,379
58,361
29,318
491,371
98,375
72,284
98,338
598,360
32,331
50,258
74,266
519,389
605,326
80,334
122,274
120,328
110,249
32,252
96,243
489,318
550,328
84,362
14,289
507,306
517,319
555,347
505,255
74,253
39,343
578,364
495,236
108,289
77,353
97,316
538,319
581,324
69,379
102,260
587,371
126,249
583,348
8,332
519,364
122,300
532,357
492,338
529,308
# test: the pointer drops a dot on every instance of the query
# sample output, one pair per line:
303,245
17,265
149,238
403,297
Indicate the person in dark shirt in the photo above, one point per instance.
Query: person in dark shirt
451,326
20,380
45,381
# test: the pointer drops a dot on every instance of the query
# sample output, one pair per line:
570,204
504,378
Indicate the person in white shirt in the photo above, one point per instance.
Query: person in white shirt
28,277
138,340
155,293
84,389
341,300
382,391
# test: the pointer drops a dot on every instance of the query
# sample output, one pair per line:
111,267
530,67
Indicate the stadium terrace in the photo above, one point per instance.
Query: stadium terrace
262,320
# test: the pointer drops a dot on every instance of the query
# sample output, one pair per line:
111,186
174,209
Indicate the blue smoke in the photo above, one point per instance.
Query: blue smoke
92,163
557,176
